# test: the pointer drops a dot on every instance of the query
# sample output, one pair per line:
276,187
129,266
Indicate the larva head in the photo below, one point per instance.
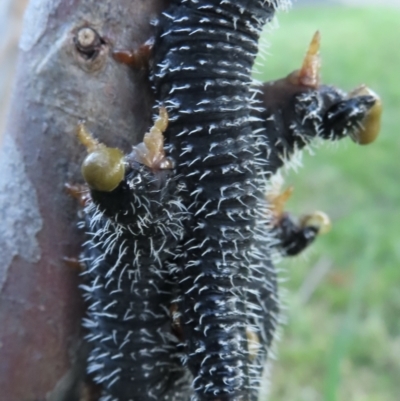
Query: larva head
103,168
319,220
371,124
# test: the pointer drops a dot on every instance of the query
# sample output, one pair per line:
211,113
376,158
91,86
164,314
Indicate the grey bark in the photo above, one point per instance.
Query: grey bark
41,356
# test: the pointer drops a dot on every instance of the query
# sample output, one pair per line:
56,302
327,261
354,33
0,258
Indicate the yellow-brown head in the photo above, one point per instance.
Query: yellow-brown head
103,168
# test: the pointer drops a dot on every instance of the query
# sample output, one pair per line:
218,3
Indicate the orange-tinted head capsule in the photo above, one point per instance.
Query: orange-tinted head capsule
371,125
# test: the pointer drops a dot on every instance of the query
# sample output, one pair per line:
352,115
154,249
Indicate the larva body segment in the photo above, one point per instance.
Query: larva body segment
133,231
227,288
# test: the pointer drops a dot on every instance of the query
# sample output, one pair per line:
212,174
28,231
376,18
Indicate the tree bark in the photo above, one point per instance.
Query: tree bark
41,355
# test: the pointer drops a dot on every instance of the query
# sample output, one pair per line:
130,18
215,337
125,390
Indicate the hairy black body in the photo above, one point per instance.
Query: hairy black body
227,289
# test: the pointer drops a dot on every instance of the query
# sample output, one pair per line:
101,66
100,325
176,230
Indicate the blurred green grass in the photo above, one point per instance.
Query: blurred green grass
342,341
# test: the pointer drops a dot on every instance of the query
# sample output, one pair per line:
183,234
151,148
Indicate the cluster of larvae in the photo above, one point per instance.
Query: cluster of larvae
167,325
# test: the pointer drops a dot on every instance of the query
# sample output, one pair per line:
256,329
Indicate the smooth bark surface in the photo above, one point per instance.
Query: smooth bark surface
41,356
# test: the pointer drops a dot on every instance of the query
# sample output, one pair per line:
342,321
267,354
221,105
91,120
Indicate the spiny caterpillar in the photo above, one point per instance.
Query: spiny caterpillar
180,233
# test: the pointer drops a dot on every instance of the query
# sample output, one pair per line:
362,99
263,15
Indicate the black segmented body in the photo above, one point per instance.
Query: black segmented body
203,61
133,231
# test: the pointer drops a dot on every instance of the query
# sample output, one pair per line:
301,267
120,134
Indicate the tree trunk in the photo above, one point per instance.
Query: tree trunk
57,85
